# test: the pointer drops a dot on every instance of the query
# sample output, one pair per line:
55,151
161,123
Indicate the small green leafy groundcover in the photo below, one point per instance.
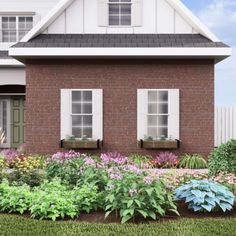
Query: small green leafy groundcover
204,195
11,225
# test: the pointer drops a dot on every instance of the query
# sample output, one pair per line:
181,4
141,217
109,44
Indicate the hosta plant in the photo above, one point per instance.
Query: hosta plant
194,161
204,195
166,160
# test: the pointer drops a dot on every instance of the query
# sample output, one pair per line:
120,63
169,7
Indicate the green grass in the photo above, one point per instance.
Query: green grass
17,225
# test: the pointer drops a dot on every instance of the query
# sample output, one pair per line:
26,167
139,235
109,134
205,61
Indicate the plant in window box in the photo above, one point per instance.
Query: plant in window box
161,142
71,142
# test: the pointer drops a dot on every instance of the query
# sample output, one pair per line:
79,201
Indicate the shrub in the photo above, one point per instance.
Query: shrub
166,160
14,198
32,178
134,195
204,195
223,159
194,161
51,201
142,161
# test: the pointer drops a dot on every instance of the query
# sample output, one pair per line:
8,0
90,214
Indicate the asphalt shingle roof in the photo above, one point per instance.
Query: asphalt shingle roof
120,40
4,55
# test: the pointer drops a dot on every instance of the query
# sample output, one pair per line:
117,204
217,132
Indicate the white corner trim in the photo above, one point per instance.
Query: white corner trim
11,62
192,19
124,52
47,20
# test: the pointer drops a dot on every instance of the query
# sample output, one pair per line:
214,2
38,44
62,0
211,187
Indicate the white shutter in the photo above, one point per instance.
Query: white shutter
65,113
102,12
173,122
142,101
97,114
137,13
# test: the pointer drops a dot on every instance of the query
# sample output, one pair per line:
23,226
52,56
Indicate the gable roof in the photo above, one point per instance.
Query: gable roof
120,41
176,4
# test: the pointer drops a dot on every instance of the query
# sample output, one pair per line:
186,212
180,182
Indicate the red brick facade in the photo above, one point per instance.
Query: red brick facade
120,80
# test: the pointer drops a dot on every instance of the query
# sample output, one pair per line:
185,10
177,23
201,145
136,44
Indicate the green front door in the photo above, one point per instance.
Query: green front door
17,120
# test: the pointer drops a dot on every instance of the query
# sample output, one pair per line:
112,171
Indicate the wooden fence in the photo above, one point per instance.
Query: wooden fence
225,124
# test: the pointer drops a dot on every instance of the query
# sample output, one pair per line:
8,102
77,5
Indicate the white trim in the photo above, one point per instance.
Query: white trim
11,62
8,135
158,52
47,20
192,19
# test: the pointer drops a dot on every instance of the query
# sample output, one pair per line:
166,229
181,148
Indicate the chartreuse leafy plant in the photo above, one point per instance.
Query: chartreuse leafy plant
53,200
131,195
204,195
223,159
14,198
194,161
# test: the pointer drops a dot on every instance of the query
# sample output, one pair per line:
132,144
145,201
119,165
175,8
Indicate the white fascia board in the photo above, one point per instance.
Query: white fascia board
192,19
120,52
47,20
10,62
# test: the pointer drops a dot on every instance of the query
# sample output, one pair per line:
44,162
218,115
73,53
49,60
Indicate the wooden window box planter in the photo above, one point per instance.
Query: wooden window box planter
81,144
159,144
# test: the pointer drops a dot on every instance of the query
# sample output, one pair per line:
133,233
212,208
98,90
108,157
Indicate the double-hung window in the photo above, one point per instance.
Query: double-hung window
81,113
119,12
14,28
158,113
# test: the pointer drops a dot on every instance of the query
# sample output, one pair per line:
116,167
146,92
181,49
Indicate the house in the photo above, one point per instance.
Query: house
116,71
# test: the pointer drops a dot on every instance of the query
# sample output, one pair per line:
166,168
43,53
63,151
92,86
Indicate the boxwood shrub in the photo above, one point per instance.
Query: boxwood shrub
223,159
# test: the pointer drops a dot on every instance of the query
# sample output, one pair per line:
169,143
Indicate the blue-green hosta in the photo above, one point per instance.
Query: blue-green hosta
204,195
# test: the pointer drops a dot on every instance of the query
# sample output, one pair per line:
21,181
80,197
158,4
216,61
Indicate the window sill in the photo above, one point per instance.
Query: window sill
159,144
80,144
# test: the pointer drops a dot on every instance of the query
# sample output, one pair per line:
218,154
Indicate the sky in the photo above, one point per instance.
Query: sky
220,17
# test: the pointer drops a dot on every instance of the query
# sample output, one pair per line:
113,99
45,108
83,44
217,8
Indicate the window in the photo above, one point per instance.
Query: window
157,120
81,113
119,12
5,121
14,28
158,113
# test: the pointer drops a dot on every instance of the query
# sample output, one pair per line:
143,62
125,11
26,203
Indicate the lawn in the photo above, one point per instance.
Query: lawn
17,225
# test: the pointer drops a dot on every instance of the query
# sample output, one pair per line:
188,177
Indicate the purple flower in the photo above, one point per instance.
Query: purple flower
113,157
89,161
148,180
9,155
166,159
132,168
60,157
116,176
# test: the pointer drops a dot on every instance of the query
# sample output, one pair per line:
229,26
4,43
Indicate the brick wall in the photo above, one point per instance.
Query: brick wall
120,80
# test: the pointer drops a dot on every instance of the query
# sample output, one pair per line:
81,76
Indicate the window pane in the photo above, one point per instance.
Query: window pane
152,132
152,108
114,9
13,36
152,120
162,132
125,9
113,20
87,132
76,108
76,96
152,96
162,108
162,121
77,132
87,120
126,20
163,96
87,96
76,121
87,108
125,0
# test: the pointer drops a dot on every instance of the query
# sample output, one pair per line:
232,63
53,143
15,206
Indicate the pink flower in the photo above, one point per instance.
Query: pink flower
148,180
116,176
89,161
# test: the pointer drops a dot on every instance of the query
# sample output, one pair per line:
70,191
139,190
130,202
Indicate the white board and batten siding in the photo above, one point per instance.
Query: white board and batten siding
225,124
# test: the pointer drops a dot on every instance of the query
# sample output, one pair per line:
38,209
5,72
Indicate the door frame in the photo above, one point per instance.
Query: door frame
8,134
